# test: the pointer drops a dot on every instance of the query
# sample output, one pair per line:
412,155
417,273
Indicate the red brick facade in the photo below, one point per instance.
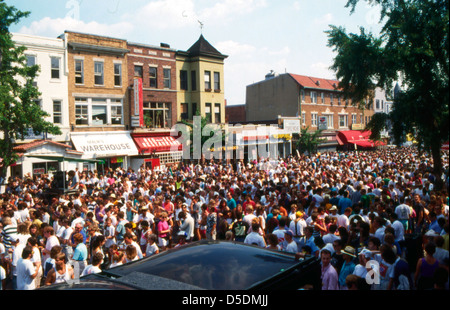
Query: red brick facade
155,95
235,114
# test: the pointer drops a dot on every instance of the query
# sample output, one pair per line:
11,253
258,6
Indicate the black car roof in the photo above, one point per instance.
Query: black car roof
211,265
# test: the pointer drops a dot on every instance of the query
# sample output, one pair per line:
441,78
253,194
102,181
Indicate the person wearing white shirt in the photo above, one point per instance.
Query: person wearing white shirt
331,237
297,226
379,228
403,212
95,266
254,237
342,220
291,245
398,228
128,240
187,224
26,271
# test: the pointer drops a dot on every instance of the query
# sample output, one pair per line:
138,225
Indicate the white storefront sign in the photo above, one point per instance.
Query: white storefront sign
106,144
292,125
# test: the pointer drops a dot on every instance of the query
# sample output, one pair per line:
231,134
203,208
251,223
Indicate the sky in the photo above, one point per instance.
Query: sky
286,36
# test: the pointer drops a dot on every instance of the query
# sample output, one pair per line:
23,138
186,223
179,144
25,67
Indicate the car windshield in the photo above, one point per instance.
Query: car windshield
213,266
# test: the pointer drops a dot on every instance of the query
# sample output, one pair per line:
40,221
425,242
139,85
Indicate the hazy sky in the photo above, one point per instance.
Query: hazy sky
257,35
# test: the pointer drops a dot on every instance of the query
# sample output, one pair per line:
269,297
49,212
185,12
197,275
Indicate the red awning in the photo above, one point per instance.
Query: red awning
364,143
360,138
339,140
147,145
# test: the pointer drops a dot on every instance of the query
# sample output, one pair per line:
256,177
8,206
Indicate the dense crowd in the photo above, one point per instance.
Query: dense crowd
364,214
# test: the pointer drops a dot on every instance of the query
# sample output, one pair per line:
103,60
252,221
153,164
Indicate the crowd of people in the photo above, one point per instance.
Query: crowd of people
361,213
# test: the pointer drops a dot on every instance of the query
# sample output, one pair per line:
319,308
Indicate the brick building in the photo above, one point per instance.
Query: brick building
156,66
151,122
97,95
235,114
317,102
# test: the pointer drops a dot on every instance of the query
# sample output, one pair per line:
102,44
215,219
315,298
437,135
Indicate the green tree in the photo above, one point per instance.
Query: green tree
19,111
412,47
309,141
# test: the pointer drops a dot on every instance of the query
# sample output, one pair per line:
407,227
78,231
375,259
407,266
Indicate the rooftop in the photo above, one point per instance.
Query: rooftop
203,48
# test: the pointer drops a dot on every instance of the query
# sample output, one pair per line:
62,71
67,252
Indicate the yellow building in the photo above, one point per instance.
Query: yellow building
200,83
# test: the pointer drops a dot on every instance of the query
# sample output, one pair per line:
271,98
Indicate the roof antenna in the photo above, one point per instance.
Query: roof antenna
201,26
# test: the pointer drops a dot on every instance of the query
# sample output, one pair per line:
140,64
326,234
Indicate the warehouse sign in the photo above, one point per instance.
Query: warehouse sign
110,144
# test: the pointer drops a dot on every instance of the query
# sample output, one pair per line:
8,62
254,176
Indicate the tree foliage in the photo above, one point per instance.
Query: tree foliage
412,47
19,110
309,141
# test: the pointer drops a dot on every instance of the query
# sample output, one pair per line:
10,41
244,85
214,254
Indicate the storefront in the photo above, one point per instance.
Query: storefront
43,157
156,149
112,149
262,142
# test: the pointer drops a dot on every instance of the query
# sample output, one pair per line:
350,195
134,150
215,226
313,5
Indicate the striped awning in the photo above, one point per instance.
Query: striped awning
148,145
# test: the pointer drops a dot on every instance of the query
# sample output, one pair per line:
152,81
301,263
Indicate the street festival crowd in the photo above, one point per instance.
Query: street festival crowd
363,214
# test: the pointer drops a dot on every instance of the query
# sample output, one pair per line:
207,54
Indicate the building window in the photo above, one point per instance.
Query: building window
57,112
361,118
138,72
167,79
207,81
302,94
208,114
303,118
331,99
172,157
314,119
353,118
193,80
79,72
194,109
343,121
217,113
117,74
183,80
216,81
377,104
81,111
116,112
99,115
322,98
49,167
98,111
158,114
313,97
55,67
98,73
330,120
153,73
31,60
339,100
184,111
